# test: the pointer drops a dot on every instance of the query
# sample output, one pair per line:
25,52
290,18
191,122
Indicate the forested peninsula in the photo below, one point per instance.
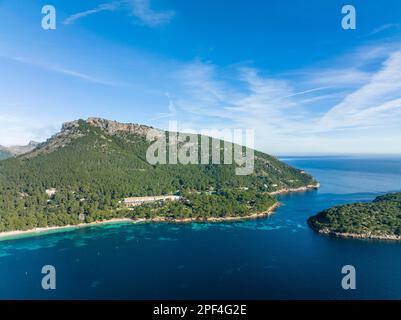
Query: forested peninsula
379,219
85,173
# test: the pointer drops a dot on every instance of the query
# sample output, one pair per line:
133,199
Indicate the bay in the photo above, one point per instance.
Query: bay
271,258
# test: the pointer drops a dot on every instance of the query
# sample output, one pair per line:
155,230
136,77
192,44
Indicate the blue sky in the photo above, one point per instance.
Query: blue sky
284,68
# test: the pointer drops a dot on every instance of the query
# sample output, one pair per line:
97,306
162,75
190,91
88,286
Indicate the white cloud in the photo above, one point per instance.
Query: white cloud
381,96
269,106
63,70
102,7
342,109
17,128
140,9
338,77
351,104
385,27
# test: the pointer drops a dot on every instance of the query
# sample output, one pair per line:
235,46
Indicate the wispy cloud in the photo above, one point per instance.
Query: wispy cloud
171,110
339,109
140,9
62,70
368,104
385,27
344,77
254,103
102,7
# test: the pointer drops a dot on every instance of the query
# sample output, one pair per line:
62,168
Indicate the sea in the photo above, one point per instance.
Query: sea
278,257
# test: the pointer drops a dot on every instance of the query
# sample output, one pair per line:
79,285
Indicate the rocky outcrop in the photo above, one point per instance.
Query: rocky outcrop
69,126
109,126
368,235
114,127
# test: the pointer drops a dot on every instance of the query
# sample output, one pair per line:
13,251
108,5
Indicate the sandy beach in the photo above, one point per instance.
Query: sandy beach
10,234
16,233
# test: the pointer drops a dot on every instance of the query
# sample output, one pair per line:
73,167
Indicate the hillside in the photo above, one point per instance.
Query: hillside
91,166
380,219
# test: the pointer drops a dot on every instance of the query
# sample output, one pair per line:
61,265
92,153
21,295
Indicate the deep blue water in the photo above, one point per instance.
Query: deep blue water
272,258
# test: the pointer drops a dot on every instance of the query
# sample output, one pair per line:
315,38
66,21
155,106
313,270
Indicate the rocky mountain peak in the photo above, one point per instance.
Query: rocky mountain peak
70,131
113,127
109,126
68,126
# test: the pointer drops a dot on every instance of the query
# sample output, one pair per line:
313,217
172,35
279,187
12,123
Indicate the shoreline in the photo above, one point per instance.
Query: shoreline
9,235
256,215
15,233
357,236
36,231
300,189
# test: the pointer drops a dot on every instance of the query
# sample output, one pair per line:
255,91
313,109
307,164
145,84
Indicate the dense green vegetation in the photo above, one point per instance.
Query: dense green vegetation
205,205
382,217
92,170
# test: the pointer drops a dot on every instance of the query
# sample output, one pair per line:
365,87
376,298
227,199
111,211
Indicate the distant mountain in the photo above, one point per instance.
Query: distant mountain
380,219
5,155
19,150
87,169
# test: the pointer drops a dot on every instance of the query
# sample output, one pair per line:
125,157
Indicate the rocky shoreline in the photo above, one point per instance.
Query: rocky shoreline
367,236
300,189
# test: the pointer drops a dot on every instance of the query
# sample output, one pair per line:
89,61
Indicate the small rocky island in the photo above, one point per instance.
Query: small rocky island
380,219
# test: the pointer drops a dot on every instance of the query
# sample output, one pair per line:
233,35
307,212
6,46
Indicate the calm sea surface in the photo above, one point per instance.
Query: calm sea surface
271,258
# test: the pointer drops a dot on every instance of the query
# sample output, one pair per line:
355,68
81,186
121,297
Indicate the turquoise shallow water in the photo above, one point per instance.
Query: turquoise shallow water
272,258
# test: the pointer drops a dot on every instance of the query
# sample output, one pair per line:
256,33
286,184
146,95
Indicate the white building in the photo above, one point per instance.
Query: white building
51,192
137,201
